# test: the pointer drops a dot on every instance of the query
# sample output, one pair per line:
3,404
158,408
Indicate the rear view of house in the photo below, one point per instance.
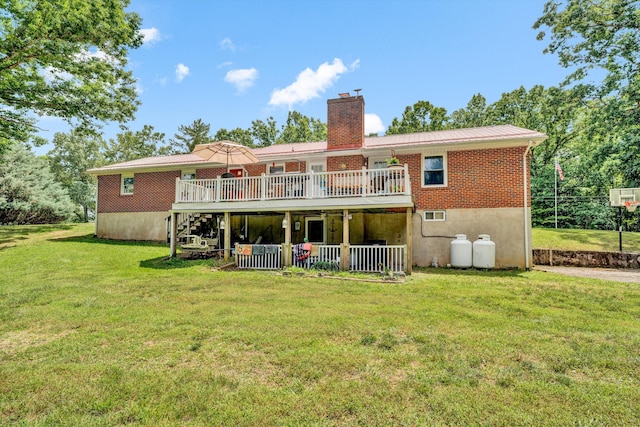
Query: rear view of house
353,207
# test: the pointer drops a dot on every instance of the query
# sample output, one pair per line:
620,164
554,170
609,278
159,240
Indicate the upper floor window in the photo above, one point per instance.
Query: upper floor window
377,164
188,174
434,171
126,185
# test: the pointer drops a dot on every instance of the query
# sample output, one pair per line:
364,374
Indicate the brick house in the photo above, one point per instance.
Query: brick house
337,193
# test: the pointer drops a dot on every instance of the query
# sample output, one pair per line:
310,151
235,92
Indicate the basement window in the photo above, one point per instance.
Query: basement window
126,184
434,216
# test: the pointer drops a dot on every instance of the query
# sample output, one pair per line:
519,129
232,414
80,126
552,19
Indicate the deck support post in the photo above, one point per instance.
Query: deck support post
227,236
173,234
345,247
286,247
408,262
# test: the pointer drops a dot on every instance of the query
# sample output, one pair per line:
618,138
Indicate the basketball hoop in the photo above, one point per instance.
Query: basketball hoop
631,205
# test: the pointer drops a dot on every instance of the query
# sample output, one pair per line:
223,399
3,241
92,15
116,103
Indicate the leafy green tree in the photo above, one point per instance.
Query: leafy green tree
264,134
190,136
548,110
300,128
65,58
421,117
129,145
474,115
240,136
601,35
72,155
29,193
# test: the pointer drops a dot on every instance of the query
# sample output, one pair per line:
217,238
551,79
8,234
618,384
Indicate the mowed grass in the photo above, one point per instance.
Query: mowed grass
94,333
585,240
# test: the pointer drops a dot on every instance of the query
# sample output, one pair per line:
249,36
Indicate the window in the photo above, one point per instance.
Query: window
188,174
434,171
377,164
434,215
126,186
276,169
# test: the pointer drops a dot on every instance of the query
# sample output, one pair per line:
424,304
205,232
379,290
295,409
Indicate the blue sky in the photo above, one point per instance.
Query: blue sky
231,62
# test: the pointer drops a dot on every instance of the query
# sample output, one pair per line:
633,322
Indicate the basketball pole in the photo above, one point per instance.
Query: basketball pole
620,226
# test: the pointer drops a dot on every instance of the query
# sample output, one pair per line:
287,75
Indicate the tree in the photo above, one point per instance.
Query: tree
300,128
240,136
474,115
602,35
65,58
72,155
29,193
190,136
421,117
264,134
130,145
548,110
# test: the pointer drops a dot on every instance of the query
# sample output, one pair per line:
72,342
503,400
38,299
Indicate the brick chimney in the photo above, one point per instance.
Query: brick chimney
345,122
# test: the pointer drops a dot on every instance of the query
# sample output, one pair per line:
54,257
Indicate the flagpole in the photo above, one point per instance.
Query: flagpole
555,184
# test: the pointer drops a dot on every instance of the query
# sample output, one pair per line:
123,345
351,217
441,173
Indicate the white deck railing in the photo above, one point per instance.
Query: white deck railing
259,257
310,185
369,258
363,258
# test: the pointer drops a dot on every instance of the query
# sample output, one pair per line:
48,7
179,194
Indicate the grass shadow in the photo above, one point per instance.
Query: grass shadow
91,238
11,234
167,263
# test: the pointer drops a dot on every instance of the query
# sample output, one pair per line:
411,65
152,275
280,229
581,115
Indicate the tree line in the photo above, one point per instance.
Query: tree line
592,127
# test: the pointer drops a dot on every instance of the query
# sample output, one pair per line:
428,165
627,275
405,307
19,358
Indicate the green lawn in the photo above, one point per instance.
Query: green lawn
586,240
95,333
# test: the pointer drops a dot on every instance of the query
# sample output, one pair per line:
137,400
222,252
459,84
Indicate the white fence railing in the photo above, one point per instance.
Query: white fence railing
369,258
325,254
309,185
259,257
363,258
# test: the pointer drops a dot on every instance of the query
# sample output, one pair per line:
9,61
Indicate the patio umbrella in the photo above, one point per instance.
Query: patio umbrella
226,152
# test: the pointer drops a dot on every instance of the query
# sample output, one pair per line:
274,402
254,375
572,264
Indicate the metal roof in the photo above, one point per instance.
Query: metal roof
502,133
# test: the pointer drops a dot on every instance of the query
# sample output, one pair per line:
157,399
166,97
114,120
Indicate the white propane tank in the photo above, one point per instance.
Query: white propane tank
461,252
484,252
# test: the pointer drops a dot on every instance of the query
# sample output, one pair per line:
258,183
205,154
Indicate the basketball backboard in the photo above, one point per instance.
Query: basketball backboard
624,196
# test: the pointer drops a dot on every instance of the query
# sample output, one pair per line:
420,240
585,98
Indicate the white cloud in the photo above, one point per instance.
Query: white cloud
150,35
242,79
224,64
227,44
182,71
372,124
310,84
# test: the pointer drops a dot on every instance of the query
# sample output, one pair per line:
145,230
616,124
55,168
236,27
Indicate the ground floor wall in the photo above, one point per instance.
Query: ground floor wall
429,238
506,226
132,226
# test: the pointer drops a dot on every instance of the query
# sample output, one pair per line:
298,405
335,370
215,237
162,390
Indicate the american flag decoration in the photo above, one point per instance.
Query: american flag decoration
559,169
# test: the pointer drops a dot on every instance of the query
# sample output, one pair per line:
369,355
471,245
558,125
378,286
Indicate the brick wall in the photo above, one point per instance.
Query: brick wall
255,169
297,166
153,192
476,179
210,173
345,123
350,162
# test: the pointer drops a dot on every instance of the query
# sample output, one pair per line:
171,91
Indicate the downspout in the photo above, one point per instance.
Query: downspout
526,222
